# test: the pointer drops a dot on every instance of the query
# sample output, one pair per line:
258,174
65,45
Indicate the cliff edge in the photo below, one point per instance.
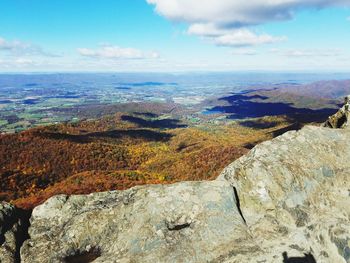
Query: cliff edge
287,200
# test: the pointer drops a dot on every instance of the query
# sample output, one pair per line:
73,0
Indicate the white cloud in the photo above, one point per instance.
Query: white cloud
221,19
20,62
236,13
245,37
23,61
237,37
348,18
303,53
244,52
115,52
13,45
19,48
207,30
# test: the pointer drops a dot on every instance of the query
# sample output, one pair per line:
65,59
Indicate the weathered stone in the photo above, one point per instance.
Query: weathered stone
12,232
342,118
185,222
302,188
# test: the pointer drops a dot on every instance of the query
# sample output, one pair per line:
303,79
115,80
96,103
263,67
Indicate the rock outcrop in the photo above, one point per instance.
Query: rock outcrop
295,194
342,118
287,200
13,229
185,222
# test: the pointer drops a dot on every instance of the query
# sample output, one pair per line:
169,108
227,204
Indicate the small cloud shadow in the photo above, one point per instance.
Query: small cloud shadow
146,114
258,124
293,127
242,106
158,124
147,135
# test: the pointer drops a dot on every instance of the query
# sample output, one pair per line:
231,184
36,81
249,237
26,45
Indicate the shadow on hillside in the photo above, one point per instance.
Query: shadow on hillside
293,127
143,134
307,258
158,124
146,114
243,106
259,124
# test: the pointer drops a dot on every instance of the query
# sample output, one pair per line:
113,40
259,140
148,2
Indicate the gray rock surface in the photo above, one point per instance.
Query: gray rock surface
295,193
185,222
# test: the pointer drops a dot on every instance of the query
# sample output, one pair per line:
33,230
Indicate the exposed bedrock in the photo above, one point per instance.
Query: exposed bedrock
295,193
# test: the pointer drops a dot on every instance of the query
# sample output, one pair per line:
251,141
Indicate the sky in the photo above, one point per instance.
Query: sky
174,35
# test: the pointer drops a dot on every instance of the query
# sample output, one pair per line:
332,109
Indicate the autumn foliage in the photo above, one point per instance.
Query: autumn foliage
115,152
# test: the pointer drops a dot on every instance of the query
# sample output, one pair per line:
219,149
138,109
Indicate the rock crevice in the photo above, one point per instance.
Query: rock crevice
14,225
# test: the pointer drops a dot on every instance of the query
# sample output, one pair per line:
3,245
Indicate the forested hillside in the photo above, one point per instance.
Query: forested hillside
120,151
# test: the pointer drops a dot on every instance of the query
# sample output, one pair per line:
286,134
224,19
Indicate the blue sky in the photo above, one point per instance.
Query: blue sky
174,35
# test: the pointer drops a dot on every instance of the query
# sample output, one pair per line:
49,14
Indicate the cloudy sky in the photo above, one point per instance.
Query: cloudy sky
174,35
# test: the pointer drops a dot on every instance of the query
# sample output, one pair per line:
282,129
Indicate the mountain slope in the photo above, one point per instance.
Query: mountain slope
332,89
117,152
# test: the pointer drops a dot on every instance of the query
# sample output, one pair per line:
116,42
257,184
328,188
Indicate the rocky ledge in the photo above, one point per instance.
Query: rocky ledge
287,200
342,118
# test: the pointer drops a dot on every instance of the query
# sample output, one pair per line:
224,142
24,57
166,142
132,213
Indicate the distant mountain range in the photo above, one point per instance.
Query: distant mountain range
333,89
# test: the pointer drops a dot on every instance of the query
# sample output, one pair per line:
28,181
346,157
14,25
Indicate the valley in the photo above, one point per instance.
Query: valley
90,147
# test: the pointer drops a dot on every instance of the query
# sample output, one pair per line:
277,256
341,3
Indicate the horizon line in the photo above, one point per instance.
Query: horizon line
178,72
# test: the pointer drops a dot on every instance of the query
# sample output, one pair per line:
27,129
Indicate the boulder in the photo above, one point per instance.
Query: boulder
295,194
184,222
